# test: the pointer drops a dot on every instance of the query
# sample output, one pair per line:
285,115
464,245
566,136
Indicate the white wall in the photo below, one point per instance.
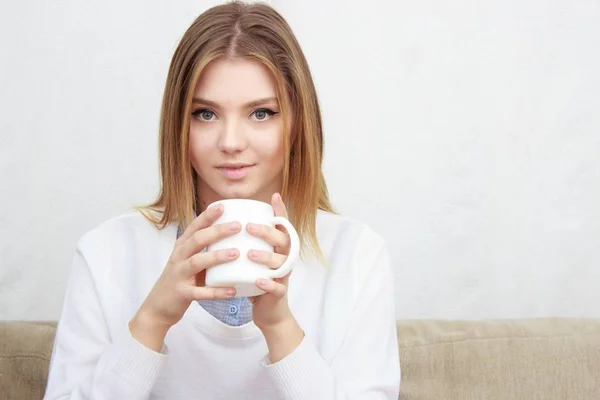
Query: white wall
467,133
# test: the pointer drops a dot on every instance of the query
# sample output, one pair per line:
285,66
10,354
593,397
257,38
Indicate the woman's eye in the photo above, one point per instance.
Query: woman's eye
263,114
204,114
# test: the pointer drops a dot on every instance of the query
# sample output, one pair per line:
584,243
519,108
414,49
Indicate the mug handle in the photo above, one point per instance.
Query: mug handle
294,248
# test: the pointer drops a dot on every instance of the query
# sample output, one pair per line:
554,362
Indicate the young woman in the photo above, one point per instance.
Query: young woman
240,119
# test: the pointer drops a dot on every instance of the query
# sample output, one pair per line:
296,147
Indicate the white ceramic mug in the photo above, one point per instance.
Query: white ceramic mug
242,273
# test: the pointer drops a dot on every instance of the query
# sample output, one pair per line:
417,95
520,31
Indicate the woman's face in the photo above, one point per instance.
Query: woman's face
236,132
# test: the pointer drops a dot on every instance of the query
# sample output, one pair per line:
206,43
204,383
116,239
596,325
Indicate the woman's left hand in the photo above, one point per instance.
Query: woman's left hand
271,309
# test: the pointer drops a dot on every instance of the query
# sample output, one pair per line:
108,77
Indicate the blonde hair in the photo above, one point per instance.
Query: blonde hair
258,32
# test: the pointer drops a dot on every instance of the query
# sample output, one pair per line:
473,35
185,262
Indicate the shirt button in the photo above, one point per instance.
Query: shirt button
233,309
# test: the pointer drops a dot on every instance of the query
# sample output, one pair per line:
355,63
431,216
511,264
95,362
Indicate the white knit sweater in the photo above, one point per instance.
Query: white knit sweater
346,310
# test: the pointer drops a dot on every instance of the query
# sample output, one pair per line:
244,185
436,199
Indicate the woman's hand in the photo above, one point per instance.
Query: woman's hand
270,311
182,280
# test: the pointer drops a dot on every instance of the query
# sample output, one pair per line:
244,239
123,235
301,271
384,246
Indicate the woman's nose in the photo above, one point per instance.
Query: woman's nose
232,138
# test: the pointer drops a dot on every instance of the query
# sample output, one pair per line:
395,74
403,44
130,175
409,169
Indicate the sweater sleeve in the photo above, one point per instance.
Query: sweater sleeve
87,363
367,365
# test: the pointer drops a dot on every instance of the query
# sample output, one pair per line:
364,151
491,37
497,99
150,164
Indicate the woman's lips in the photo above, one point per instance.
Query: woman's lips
235,172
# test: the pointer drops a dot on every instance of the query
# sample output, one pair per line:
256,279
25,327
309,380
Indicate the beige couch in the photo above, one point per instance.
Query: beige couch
484,360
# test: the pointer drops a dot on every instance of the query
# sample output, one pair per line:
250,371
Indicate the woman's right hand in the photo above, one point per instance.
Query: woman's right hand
182,280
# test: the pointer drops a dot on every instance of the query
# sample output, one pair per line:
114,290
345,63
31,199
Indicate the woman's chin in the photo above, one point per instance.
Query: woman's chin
237,194
250,195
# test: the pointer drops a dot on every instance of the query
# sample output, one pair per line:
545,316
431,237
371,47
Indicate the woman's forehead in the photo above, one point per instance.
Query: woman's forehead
235,82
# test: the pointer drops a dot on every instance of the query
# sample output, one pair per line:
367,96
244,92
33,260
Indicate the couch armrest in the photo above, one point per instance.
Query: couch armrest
25,350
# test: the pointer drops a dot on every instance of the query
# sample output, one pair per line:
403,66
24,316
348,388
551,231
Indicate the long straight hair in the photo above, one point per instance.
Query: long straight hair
257,32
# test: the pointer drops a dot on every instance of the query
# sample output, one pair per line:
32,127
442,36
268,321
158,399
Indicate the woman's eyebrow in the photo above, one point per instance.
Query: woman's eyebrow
250,104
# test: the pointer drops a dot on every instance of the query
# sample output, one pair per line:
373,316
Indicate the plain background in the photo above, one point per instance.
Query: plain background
467,133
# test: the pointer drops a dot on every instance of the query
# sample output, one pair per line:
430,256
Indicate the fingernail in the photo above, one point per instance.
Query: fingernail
233,226
251,227
232,252
263,282
230,292
217,208
252,254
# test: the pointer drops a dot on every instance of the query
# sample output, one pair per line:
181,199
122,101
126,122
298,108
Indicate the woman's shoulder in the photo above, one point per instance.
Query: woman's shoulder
356,256
123,228
338,233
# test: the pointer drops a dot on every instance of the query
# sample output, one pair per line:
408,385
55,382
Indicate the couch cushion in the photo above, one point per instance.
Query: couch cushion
515,359
25,349
456,360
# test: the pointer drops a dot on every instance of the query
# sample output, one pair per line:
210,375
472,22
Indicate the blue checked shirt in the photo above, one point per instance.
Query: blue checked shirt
234,312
